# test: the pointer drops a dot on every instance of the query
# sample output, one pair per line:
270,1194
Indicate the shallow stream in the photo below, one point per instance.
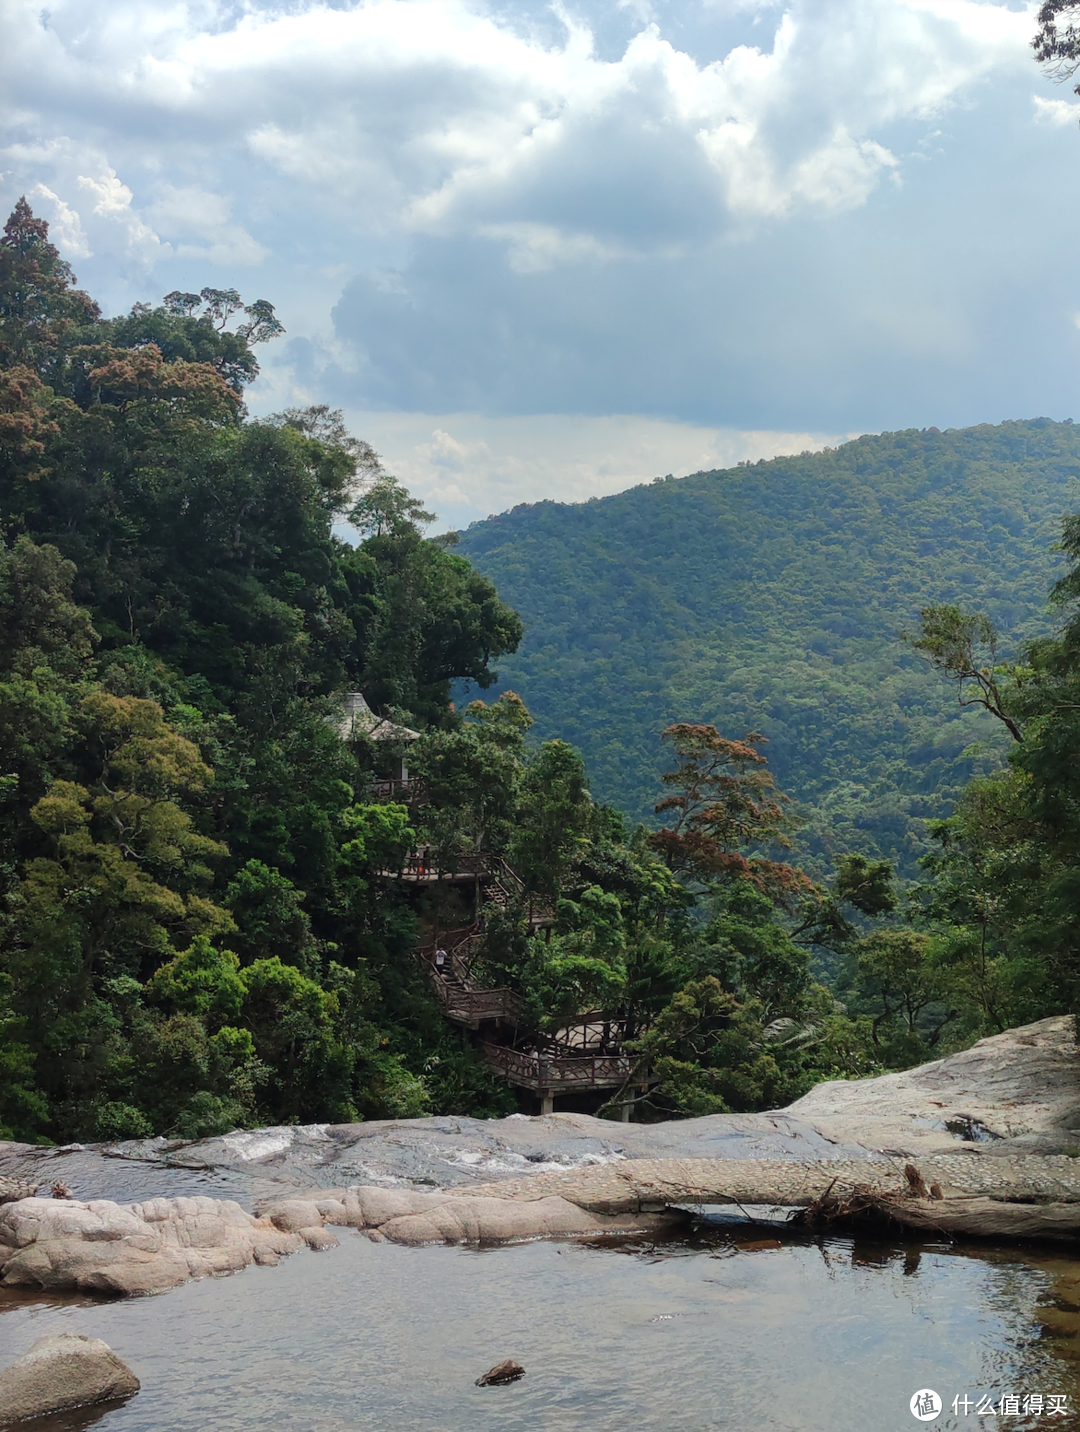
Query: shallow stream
698,1335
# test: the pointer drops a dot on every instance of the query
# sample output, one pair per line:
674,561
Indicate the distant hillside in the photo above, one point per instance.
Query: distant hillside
772,596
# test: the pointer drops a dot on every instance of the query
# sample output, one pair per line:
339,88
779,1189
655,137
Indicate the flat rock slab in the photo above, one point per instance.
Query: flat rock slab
1017,1092
62,1371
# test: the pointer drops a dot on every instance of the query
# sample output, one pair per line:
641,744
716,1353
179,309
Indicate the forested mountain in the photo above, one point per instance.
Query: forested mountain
774,597
211,911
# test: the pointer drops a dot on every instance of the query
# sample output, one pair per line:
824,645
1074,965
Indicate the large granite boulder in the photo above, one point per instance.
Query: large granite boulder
135,1248
62,1371
1017,1092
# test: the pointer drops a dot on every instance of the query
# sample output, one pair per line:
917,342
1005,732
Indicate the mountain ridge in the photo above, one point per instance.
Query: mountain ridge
773,596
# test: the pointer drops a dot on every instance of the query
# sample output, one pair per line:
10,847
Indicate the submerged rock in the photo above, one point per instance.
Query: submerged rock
62,1371
503,1372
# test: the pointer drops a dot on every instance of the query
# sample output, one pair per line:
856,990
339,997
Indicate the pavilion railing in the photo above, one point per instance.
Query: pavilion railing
410,791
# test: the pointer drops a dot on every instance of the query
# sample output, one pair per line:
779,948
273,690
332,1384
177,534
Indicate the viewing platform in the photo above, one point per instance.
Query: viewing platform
407,790
559,1074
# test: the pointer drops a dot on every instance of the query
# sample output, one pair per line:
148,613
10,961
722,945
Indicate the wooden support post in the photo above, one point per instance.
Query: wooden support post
624,1113
547,1102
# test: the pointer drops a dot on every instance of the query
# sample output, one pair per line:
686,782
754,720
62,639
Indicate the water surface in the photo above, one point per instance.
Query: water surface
830,1335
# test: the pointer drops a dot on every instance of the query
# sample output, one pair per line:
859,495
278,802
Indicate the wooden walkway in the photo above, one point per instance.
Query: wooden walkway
568,1060
559,1074
584,1055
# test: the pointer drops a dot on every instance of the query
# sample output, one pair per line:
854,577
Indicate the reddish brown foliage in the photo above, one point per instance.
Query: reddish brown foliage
38,303
24,421
121,376
723,800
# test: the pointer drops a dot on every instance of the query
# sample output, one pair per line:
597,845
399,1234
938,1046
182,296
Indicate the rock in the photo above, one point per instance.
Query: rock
758,1245
990,1128
319,1239
915,1182
965,1194
12,1189
403,1215
138,1248
502,1372
61,1371
1017,1092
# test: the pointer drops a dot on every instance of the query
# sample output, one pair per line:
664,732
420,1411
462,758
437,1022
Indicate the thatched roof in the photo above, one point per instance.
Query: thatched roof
358,719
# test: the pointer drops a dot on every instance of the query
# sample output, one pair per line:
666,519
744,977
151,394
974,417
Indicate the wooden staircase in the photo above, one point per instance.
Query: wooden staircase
585,1055
569,1060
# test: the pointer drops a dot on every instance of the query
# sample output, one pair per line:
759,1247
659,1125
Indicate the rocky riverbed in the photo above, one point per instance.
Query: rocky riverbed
992,1131
1016,1093
985,1142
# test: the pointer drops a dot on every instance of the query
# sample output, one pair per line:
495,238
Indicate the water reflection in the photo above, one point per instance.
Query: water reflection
694,1335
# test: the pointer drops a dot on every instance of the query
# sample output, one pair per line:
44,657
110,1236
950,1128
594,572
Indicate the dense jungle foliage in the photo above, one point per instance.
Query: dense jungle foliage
204,923
775,597
192,935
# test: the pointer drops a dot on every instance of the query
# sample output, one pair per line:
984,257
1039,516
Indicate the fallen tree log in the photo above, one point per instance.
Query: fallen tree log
1015,1197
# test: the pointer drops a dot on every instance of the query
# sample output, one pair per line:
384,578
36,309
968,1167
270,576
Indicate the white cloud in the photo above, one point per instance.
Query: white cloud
197,213
535,248
92,209
440,116
113,198
465,466
806,214
843,173
1056,112
65,226
114,203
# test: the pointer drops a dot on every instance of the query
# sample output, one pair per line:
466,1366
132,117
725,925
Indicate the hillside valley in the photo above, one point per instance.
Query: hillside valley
775,597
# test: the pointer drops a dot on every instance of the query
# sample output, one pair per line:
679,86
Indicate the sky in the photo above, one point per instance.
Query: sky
552,250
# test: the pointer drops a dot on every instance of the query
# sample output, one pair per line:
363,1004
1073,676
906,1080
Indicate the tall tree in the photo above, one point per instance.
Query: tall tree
723,801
